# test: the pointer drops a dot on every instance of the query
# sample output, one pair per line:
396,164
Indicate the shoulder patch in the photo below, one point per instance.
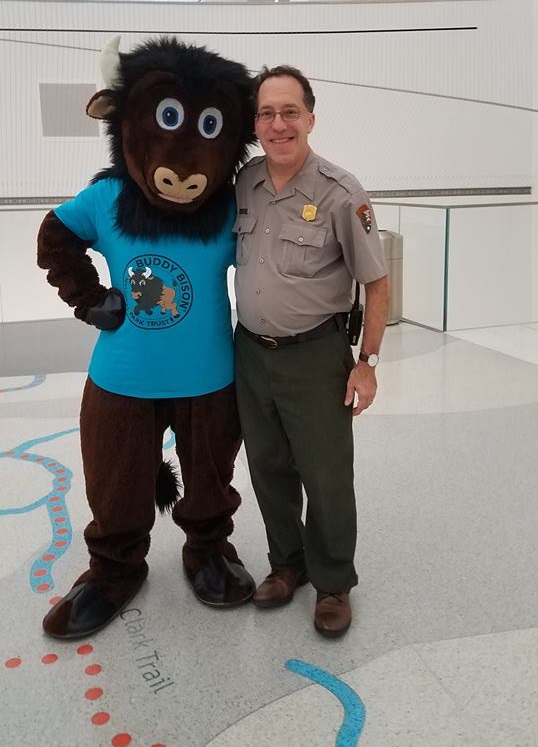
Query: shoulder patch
364,214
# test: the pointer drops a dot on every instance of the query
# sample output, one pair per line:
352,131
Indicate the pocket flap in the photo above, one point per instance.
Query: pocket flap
303,235
244,224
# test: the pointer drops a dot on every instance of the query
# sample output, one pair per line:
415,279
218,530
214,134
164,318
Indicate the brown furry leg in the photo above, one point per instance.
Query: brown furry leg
121,439
208,438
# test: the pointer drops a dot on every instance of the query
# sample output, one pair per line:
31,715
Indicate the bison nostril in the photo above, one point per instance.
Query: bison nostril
168,181
192,186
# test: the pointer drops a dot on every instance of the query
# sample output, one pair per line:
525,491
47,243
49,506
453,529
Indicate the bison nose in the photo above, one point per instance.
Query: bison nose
172,188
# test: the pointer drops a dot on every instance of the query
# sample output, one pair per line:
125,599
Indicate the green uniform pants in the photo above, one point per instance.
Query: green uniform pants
298,432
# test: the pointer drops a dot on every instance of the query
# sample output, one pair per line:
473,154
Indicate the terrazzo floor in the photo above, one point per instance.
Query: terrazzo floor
443,651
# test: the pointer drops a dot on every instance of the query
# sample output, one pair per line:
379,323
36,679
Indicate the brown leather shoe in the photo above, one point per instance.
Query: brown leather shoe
333,614
279,587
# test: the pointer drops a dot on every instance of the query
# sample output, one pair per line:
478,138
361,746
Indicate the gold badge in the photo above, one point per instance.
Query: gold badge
309,212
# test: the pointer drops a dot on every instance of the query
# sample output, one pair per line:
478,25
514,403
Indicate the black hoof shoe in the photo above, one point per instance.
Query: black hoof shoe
83,611
221,582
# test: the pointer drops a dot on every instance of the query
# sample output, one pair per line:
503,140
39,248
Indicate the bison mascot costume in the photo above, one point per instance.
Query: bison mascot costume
179,120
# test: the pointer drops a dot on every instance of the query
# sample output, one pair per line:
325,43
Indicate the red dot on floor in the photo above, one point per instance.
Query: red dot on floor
12,663
84,649
158,745
121,740
61,490
51,464
62,479
60,543
49,659
93,669
54,498
55,600
59,519
43,587
93,693
25,456
59,471
47,558
100,718
55,509
40,572
62,530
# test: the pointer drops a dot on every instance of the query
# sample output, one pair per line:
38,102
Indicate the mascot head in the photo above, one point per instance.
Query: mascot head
180,120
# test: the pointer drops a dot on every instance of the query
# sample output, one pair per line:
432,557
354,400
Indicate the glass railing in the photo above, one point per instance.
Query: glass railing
466,265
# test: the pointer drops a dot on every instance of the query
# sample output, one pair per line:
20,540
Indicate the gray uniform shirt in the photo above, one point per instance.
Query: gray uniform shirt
298,251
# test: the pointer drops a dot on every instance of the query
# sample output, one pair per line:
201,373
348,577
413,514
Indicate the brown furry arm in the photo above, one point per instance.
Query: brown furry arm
63,254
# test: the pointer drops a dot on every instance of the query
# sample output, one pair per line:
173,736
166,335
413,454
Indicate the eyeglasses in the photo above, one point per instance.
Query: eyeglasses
290,114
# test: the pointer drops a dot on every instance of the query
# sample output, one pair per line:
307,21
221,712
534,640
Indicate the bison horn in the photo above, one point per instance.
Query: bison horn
130,271
147,272
110,62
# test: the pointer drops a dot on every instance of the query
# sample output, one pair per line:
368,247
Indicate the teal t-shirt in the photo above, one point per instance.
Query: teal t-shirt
176,340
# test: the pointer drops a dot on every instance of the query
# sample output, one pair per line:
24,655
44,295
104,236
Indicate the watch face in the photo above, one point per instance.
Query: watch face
373,359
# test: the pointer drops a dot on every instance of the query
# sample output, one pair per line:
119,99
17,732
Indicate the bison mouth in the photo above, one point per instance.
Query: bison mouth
136,295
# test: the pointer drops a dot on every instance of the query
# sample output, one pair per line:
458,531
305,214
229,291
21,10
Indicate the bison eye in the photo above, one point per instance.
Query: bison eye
170,114
142,282
210,122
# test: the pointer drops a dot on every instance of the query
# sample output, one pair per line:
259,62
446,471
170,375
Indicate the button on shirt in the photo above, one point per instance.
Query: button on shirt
292,274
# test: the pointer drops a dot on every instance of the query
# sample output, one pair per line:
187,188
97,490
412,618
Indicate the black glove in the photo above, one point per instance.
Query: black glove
108,313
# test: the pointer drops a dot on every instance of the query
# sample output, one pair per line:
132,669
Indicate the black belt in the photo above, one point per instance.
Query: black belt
325,328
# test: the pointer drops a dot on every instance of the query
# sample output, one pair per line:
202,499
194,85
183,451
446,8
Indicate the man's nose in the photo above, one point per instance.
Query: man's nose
278,122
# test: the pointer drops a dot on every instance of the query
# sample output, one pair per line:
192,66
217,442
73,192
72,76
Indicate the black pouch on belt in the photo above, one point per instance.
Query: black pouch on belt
354,325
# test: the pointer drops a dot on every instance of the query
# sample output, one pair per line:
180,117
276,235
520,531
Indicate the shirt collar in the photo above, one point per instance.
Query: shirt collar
302,182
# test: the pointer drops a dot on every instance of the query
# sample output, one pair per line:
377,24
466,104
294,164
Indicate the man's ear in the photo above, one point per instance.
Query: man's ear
102,104
311,122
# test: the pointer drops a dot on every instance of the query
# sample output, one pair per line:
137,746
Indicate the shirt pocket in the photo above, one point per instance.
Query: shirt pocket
302,249
243,228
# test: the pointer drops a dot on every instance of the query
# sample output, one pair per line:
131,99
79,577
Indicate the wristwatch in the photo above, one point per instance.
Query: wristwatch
372,359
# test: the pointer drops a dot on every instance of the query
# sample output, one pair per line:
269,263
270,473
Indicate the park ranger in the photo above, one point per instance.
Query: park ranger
305,231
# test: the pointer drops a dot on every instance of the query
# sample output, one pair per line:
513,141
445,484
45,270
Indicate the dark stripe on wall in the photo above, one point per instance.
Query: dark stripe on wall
344,32
45,202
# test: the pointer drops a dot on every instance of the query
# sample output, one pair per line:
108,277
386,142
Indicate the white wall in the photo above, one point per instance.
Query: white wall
400,110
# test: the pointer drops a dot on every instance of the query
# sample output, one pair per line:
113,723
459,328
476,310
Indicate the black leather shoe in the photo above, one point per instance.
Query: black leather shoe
221,582
83,611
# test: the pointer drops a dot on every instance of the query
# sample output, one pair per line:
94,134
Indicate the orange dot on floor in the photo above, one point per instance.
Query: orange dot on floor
93,693
59,519
55,600
49,659
54,498
100,718
12,663
158,745
93,669
47,558
43,587
61,490
62,530
121,740
84,649
55,509
60,543
40,572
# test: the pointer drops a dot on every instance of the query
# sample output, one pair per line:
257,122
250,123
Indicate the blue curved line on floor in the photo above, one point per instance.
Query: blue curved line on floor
36,381
354,710
61,485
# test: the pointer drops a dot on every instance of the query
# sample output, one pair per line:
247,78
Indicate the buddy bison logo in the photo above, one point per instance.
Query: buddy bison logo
158,292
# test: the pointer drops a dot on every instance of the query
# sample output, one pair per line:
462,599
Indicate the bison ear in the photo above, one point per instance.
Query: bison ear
102,104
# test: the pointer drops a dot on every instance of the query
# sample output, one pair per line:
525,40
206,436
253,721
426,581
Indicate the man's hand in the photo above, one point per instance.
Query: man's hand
109,313
362,381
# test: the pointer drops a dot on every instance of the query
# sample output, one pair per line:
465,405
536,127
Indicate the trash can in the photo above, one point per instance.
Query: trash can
392,244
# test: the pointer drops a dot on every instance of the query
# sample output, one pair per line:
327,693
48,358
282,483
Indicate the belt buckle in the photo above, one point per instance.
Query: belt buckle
269,342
